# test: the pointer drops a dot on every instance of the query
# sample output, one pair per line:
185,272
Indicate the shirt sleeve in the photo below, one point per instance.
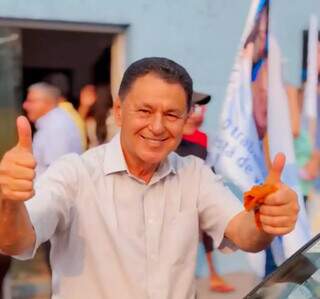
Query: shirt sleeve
217,206
49,210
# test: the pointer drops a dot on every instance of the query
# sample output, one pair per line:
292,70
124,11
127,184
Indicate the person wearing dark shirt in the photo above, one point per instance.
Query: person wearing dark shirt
194,142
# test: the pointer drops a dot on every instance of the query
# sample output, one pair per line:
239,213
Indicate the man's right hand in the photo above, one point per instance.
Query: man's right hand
17,167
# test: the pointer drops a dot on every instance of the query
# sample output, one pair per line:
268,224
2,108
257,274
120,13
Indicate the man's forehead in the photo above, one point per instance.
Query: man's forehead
163,105
152,100
155,78
151,84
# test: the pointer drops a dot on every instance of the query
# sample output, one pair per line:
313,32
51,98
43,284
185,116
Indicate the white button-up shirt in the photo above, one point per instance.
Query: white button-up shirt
113,236
56,135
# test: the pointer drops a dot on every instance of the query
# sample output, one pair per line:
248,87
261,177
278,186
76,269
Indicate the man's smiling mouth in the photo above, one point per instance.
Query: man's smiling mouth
155,140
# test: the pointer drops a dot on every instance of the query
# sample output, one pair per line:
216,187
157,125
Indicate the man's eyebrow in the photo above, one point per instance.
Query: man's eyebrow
174,111
170,110
145,105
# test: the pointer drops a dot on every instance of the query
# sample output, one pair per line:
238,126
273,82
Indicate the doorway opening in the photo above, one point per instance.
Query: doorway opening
31,50
84,58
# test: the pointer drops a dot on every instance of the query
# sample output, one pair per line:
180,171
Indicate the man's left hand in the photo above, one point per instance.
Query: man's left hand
279,212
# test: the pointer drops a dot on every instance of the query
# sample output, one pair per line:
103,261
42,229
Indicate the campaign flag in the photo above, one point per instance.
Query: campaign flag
235,149
237,152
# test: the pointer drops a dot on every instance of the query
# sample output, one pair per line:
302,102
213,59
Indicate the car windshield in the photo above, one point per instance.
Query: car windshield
297,278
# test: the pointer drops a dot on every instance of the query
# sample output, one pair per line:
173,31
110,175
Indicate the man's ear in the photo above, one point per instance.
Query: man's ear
117,110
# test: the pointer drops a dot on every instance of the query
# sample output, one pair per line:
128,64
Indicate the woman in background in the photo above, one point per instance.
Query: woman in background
96,109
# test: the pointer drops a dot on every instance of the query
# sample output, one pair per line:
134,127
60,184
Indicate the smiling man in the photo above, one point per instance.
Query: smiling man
123,218
151,118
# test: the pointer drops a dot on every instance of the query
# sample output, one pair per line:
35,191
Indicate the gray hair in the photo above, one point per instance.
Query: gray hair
48,89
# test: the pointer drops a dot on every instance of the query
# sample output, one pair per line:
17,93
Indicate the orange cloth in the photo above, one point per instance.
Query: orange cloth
255,197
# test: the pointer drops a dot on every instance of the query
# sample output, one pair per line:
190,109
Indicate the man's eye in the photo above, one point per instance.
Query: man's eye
172,116
144,111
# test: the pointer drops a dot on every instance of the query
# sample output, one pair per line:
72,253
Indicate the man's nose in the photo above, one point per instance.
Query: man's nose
157,124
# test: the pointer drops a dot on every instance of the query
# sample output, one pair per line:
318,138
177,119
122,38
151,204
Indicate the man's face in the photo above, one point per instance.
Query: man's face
37,104
151,117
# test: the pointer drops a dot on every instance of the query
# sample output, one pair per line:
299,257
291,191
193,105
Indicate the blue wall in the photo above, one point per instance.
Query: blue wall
201,35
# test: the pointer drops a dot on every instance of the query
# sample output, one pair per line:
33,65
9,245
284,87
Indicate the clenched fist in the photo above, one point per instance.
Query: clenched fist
279,212
17,167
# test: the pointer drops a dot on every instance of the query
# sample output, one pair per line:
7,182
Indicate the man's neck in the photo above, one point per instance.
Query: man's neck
143,173
141,170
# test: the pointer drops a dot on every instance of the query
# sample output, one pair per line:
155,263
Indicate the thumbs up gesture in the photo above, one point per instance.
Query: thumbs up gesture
17,167
279,211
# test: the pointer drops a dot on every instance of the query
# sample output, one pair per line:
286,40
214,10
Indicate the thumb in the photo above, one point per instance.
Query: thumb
276,169
24,133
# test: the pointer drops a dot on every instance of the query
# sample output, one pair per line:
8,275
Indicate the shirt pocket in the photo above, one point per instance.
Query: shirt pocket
184,237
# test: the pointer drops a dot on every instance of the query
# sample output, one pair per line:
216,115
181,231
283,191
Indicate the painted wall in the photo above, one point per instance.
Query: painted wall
202,36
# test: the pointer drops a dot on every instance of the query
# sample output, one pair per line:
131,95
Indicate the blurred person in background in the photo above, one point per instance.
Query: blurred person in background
302,140
312,169
195,142
61,81
56,134
95,108
56,131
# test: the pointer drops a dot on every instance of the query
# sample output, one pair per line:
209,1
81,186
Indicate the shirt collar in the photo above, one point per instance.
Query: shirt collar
165,168
114,161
